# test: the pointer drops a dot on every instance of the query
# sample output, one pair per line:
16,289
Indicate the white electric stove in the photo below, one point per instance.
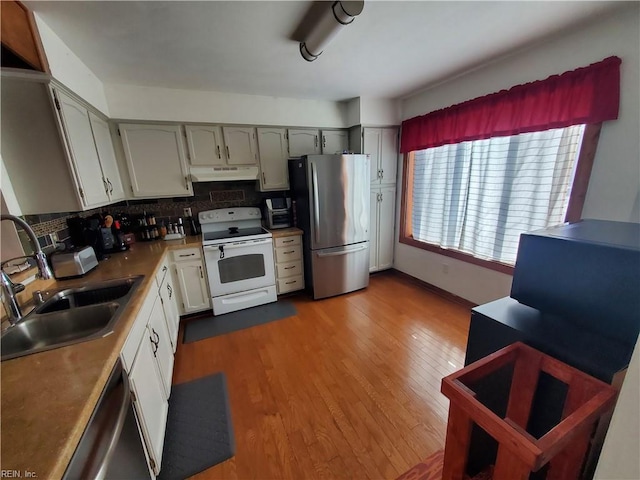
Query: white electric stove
238,253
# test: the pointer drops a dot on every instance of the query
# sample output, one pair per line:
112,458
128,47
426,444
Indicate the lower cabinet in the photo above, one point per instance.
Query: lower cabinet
382,226
147,356
169,302
287,254
191,280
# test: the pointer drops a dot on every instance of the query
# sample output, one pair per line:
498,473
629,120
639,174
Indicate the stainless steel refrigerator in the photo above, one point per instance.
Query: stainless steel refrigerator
331,195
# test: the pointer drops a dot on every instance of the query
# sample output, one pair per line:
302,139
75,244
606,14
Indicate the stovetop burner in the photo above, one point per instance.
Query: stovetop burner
233,232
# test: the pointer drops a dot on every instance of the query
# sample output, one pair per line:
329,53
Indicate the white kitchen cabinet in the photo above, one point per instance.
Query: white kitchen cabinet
241,145
382,145
168,296
191,280
205,146
303,142
76,125
382,225
158,336
274,172
335,141
107,156
287,255
156,160
150,402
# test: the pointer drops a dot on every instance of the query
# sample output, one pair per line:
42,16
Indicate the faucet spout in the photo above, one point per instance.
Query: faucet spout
8,288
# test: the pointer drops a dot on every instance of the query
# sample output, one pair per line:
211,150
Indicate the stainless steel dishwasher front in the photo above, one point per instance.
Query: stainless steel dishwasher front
111,447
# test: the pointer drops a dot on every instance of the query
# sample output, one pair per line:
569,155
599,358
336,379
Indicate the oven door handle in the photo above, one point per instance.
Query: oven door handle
231,246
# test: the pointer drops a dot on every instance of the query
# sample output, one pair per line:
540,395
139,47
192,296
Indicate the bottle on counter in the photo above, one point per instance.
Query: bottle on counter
180,226
163,229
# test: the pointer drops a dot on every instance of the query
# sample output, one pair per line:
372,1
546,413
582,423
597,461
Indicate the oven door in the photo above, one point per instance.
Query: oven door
239,266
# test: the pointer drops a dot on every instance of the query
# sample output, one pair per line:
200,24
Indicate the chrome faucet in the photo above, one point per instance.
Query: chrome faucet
9,289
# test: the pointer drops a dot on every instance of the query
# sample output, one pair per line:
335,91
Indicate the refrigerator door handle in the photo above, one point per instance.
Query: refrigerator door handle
342,252
316,202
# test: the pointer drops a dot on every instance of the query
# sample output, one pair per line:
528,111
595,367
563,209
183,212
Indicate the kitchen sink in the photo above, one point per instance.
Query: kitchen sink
69,316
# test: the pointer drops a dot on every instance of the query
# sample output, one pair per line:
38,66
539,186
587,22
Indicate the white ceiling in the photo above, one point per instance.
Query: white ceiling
392,49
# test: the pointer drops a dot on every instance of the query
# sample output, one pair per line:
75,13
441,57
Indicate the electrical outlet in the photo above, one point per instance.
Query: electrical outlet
53,237
187,212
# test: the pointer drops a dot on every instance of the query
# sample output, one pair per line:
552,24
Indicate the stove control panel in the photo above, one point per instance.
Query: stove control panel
220,215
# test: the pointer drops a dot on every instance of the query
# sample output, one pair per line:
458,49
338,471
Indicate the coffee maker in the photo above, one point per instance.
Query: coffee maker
92,232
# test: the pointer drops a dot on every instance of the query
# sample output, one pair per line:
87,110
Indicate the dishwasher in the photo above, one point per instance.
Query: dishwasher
111,446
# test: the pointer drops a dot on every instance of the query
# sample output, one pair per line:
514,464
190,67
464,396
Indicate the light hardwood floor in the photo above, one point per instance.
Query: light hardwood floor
347,388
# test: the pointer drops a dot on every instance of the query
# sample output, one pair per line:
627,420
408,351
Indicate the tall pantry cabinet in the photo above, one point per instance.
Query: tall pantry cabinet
382,145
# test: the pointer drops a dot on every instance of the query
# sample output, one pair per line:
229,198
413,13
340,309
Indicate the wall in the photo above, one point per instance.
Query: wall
168,104
379,112
67,68
614,186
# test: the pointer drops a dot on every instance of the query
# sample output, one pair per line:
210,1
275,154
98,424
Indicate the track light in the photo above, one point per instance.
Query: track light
329,24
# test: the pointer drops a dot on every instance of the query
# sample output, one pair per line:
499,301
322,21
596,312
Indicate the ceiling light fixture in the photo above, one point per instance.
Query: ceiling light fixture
329,24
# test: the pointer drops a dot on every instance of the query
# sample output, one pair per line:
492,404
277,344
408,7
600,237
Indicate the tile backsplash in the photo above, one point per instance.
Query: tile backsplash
207,195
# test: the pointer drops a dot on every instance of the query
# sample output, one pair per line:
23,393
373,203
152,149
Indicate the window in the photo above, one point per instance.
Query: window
476,197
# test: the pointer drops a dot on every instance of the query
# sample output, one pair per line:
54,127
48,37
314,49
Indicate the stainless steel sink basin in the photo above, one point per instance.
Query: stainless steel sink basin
70,316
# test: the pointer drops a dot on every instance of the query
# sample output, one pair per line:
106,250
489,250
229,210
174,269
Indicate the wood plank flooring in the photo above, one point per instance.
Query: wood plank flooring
347,388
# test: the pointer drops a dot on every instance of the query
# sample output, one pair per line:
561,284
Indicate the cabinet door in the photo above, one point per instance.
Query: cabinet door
104,146
82,148
372,145
150,402
334,141
389,156
241,145
272,144
170,308
386,227
156,160
205,146
193,286
158,336
303,142
374,203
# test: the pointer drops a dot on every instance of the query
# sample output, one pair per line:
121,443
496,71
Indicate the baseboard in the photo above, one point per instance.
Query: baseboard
433,289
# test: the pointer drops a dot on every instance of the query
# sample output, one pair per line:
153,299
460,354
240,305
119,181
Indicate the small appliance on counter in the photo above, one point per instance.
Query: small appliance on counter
73,263
102,234
277,213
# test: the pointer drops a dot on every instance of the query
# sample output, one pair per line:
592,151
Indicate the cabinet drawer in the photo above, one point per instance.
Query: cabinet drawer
162,271
186,254
288,254
289,269
287,241
290,284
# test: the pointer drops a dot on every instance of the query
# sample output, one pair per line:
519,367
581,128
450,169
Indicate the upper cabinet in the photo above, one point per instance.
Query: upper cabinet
156,160
272,144
57,150
240,145
205,146
382,145
335,141
20,36
304,142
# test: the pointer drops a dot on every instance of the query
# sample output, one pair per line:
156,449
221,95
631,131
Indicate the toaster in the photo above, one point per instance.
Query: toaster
73,263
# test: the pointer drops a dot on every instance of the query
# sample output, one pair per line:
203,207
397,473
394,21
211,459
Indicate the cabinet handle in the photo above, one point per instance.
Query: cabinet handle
186,255
290,251
228,156
287,241
170,290
157,336
264,179
164,269
201,275
289,268
186,183
289,283
110,186
381,173
316,141
106,187
218,147
324,141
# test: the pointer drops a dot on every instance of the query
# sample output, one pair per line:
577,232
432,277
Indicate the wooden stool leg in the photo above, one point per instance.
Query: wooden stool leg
457,444
509,466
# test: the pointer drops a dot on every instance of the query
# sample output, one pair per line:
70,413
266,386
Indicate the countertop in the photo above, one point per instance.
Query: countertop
285,232
48,397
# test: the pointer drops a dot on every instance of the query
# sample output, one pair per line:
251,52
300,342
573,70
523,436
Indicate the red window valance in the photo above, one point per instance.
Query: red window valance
585,95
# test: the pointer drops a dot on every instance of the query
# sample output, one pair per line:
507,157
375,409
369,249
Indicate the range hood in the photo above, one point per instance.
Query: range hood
223,174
